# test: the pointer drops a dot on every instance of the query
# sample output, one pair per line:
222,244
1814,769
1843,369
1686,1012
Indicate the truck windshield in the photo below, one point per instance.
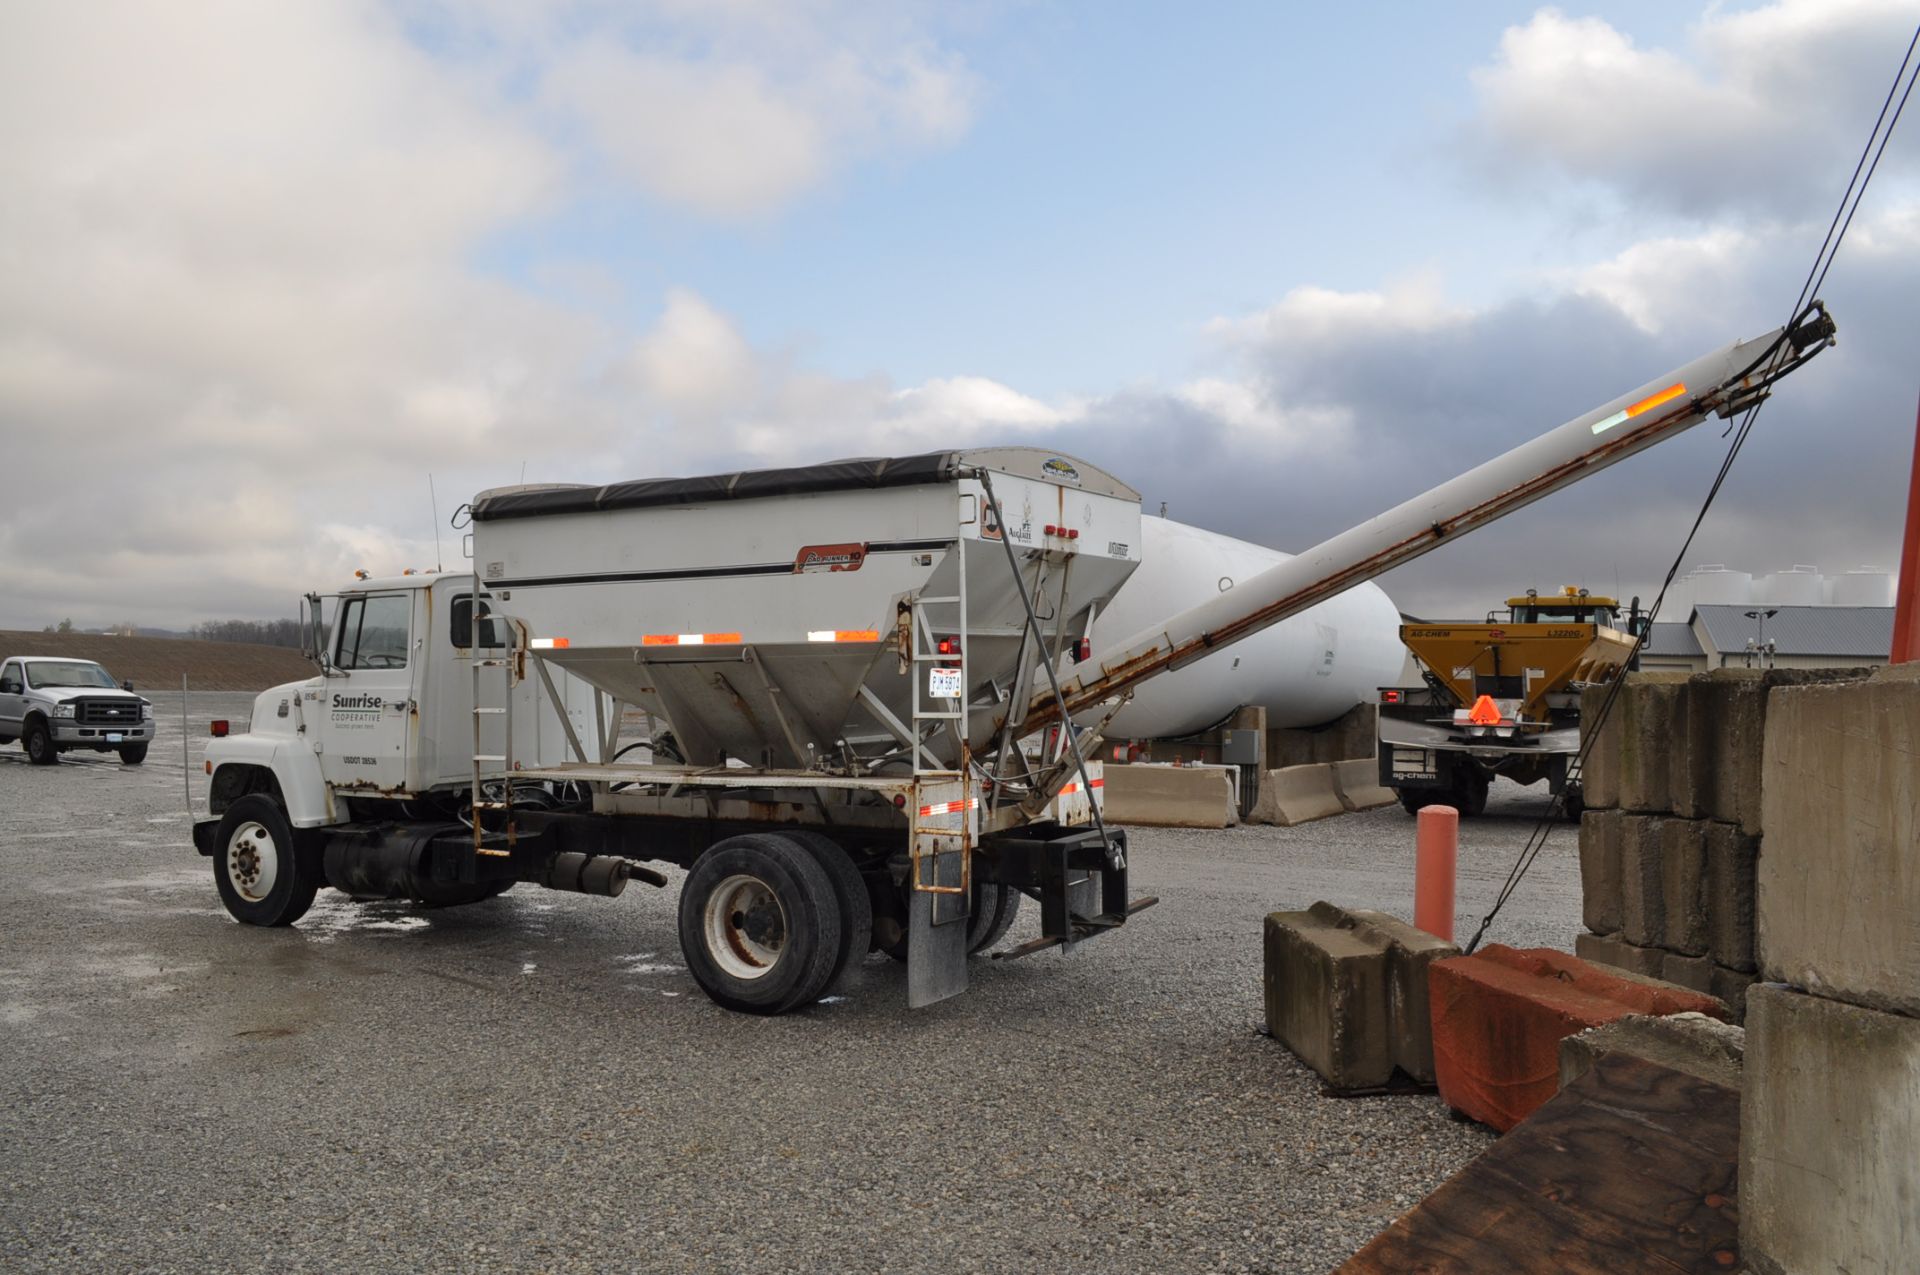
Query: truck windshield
46,674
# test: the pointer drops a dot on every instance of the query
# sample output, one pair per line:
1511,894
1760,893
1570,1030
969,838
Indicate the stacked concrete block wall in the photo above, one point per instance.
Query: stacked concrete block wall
1670,843
1829,1175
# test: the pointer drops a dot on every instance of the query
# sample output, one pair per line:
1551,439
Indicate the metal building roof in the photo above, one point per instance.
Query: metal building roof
1865,632
1674,641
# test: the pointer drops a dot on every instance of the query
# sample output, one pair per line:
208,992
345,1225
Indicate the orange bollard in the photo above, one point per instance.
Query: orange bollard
1436,852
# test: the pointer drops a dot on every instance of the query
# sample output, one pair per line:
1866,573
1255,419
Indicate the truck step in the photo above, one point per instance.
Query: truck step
491,712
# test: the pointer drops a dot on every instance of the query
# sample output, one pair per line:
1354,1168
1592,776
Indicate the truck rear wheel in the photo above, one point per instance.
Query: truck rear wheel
994,906
1414,800
1470,792
262,877
850,892
759,924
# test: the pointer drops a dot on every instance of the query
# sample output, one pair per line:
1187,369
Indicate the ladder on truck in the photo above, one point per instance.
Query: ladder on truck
481,621
940,702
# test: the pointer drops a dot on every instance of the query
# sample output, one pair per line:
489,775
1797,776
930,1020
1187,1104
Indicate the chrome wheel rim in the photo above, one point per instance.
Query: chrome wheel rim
253,861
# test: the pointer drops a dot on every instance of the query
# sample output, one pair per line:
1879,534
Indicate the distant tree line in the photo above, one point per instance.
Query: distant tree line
258,632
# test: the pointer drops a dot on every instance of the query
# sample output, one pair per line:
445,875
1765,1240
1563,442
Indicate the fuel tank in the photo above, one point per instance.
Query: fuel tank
1306,670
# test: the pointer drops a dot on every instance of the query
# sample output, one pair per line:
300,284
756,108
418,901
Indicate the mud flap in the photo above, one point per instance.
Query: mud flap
936,935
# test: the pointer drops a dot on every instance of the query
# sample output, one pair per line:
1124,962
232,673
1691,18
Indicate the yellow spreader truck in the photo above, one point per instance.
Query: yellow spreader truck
1500,698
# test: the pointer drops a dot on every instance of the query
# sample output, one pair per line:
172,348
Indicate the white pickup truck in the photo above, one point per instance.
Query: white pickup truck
55,705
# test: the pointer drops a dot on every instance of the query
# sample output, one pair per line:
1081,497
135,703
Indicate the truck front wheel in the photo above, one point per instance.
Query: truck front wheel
38,741
133,754
262,877
759,924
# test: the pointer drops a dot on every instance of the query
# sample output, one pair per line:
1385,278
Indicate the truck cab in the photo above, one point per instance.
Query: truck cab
389,718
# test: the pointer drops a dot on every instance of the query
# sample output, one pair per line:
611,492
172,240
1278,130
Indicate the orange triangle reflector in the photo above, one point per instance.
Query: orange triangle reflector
1484,712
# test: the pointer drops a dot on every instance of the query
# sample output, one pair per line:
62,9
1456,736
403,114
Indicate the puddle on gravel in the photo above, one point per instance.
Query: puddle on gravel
328,919
644,963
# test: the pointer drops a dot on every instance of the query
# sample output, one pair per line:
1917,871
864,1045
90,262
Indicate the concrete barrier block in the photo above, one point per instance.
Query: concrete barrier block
1643,918
1730,707
1838,880
1730,986
1347,993
1499,1017
1690,775
1169,796
1357,784
1683,879
1651,707
1694,973
1600,772
1733,858
1600,839
1613,950
1295,795
1693,1043
1829,1179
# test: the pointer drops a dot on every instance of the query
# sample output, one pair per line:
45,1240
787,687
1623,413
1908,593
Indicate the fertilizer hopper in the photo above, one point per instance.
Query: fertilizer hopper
772,617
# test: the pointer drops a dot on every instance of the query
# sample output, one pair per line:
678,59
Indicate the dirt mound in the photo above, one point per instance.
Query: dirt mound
154,665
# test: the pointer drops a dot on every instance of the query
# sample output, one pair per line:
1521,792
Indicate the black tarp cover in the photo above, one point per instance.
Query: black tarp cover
640,493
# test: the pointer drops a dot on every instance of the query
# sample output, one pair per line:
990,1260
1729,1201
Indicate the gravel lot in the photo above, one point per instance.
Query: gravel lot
535,1083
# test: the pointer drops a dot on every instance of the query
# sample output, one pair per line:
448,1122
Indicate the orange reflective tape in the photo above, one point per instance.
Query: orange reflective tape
1654,400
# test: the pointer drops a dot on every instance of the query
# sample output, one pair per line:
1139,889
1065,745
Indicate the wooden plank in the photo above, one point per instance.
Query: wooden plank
1630,1168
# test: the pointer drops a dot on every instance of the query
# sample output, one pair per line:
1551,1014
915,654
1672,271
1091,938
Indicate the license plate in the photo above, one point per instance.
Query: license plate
115,738
946,683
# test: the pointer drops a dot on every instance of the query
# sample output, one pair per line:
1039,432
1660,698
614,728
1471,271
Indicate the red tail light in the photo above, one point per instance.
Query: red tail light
218,727
949,646
1073,533
1051,530
1389,697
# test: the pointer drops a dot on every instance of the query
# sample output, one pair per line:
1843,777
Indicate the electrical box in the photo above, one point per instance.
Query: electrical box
1240,748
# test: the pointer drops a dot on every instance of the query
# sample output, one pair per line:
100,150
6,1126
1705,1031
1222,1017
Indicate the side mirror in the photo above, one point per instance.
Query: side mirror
126,684
313,637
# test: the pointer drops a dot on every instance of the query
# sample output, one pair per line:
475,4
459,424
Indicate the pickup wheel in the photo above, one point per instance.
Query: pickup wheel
262,877
759,924
850,893
133,754
38,741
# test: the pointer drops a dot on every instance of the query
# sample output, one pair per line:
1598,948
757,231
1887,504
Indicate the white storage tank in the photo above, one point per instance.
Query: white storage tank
1798,586
1861,587
1714,585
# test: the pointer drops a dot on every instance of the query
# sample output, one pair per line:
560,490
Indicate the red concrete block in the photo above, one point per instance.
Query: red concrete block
1500,1014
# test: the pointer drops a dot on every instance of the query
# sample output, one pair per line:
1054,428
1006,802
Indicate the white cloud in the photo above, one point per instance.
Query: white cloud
1764,112
730,110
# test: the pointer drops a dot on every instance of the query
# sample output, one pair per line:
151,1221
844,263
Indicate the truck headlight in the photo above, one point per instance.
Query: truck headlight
146,712
63,710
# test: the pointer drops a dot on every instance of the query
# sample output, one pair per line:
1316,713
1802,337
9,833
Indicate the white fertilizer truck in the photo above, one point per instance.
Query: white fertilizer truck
878,690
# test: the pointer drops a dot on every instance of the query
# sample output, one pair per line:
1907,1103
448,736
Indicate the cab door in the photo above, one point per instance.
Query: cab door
12,688
368,698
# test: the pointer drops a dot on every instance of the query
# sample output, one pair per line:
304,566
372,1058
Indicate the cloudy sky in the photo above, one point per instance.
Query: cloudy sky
265,267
